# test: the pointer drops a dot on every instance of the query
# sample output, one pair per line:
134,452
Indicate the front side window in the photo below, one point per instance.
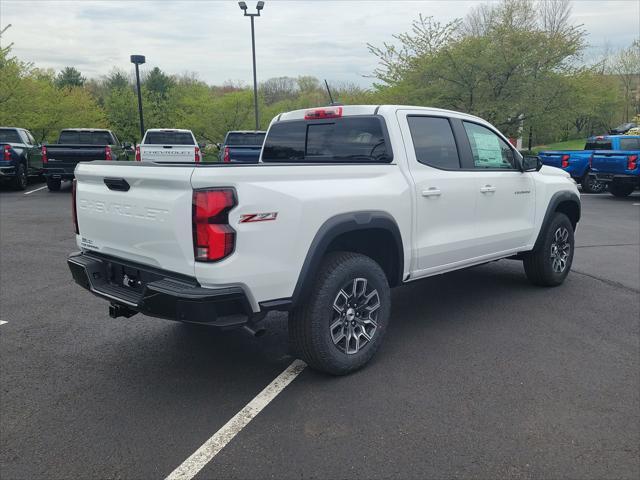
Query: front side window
433,142
488,149
32,140
341,140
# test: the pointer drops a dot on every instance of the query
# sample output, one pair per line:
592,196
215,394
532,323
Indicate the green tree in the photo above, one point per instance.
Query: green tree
69,77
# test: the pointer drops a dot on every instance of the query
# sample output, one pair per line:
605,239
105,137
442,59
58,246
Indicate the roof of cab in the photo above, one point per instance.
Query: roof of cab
182,130
348,110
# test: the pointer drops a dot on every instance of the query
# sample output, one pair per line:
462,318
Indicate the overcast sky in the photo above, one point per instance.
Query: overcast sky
326,39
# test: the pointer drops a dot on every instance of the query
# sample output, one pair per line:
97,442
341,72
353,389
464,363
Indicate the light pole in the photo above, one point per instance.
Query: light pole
138,60
243,7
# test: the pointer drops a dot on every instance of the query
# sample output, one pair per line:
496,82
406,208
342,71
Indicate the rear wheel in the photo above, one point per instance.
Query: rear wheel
621,189
342,322
550,263
590,184
20,181
53,184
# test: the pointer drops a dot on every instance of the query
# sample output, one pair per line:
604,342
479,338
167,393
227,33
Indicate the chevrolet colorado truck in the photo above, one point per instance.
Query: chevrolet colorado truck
577,163
618,164
77,145
346,203
21,157
168,145
242,146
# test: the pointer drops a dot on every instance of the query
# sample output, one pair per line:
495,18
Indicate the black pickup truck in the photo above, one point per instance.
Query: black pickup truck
20,157
79,145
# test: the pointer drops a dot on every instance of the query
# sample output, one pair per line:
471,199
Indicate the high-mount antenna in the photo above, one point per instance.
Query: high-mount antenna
329,92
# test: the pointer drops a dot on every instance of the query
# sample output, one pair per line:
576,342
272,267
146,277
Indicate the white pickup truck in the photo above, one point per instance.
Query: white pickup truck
345,203
161,145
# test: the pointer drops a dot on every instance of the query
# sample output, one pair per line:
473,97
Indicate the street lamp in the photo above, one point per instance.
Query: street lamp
138,60
243,7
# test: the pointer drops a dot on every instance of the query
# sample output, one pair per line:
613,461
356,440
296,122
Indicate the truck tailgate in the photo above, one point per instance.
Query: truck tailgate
611,162
149,223
167,153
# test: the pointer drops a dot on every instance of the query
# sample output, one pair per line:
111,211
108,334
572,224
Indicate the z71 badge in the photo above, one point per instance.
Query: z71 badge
258,217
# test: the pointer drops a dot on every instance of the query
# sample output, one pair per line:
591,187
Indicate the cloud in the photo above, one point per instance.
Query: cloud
322,38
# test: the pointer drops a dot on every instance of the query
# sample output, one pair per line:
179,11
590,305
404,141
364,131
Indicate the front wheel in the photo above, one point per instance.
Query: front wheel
549,264
590,184
53,184
621,189
341,323
20,181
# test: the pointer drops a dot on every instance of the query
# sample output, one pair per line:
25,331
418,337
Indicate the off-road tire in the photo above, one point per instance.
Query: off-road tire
590,185
310,336
20,181
539,264
53,184
621,190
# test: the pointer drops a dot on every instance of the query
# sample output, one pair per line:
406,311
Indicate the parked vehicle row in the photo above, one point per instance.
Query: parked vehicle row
345,203
607,160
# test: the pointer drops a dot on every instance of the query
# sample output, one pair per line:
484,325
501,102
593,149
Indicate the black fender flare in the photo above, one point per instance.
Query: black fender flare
556,199
338,225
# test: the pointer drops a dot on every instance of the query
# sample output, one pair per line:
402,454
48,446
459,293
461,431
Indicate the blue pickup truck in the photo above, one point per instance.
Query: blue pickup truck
242,146
576,162
618,164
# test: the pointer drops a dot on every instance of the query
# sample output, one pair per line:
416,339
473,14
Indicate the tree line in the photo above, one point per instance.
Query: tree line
518,63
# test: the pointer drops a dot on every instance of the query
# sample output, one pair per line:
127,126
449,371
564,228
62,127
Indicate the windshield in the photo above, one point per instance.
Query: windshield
169,138
8,135
70,137
256,139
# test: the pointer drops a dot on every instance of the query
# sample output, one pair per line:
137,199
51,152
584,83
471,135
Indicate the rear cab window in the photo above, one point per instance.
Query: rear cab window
9,135
349,139
70,137
599,144
245,139
169,138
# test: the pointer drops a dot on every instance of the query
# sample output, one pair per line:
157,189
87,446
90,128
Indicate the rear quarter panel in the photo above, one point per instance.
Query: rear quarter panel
269,255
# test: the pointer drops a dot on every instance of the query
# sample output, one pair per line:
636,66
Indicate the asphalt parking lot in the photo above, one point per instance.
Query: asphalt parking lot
481,375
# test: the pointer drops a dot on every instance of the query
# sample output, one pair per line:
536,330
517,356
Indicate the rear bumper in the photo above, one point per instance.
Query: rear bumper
7,172
59,172
618,178
157,293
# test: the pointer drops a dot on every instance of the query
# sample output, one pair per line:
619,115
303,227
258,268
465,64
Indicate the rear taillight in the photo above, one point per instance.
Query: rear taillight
45,159
327,112
138,153
7,152
197,157
107,153
632,162
213,237
73,206
226,157
565,161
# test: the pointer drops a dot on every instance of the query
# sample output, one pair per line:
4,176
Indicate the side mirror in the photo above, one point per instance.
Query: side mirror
218,145
126,145
531,163
202,146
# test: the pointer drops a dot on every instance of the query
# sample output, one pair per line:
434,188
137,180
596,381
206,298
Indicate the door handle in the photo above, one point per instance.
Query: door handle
488,189
431,192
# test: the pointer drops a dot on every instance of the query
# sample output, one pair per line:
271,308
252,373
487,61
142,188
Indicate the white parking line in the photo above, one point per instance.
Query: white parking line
2,322
209,449
36,190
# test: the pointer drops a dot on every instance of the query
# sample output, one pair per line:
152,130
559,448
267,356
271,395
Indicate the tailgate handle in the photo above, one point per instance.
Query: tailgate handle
119,184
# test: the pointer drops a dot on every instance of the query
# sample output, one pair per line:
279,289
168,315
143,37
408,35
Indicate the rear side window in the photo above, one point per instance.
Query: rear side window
7,135
169,138
341,140
84,138
245,139
598,145
433,142
488,149
630,144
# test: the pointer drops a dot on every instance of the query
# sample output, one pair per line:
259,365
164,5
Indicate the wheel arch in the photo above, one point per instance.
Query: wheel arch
346,232
563,202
